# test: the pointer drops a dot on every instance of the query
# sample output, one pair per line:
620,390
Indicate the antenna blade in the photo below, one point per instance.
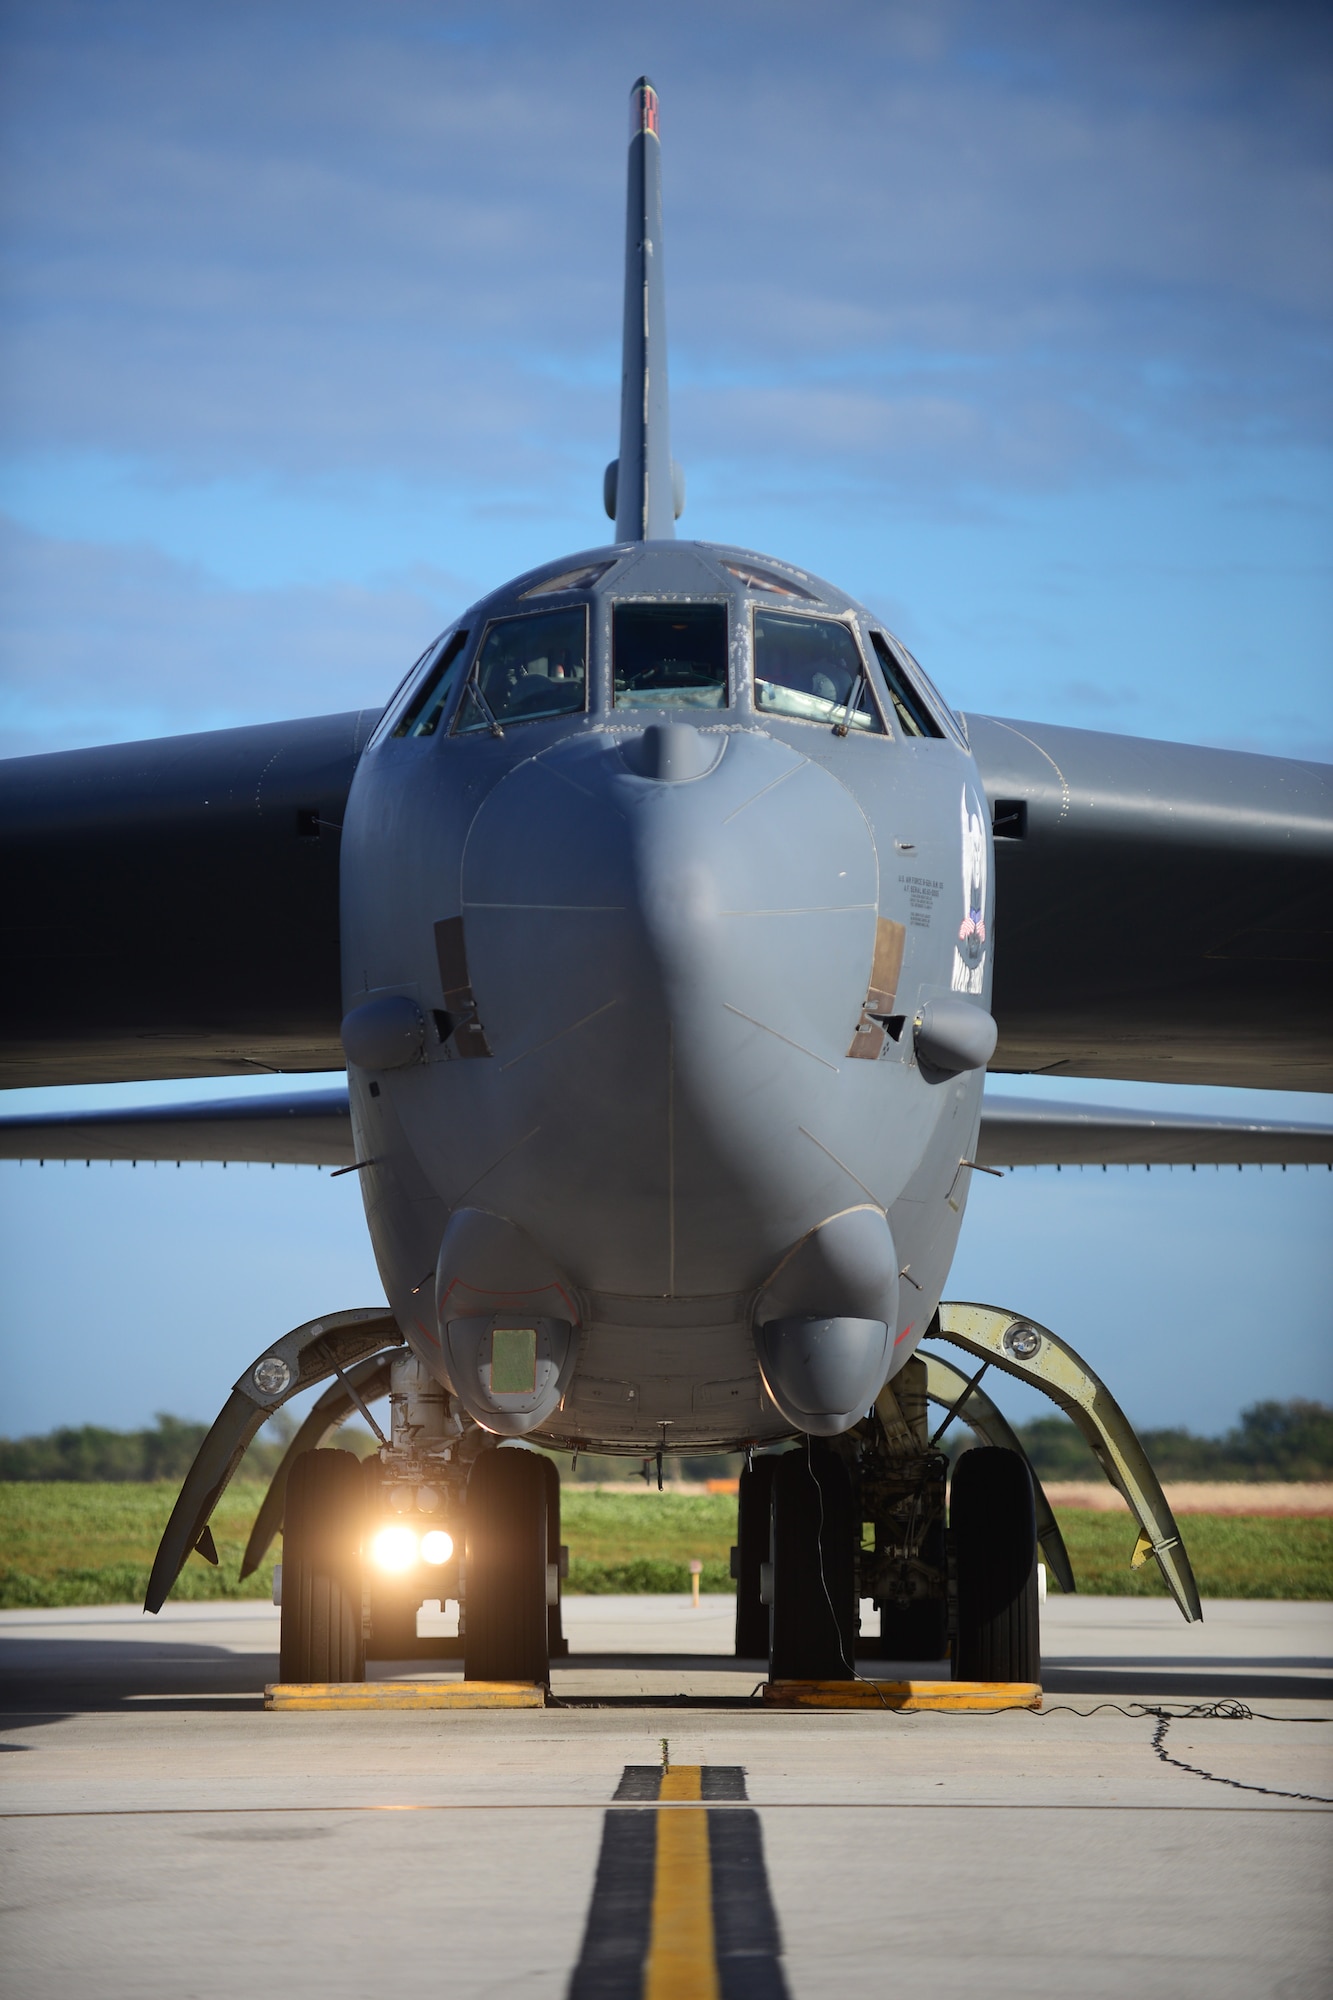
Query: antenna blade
644,502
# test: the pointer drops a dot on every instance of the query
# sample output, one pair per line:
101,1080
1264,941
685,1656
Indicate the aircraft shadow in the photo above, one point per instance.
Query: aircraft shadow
44,1680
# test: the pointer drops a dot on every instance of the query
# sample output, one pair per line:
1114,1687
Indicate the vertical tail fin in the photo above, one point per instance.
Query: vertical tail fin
644,491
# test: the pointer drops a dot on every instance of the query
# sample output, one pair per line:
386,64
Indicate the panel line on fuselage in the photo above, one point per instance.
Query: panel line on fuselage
847,1170
764,790
460,1198
560,1033
798,1046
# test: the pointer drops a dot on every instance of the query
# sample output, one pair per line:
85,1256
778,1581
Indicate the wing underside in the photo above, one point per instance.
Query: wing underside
1161,909
312,1128
171,907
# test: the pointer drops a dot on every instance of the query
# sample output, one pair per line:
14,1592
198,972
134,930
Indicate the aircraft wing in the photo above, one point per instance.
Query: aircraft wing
306,1128
1026,1132
171,907
1162,911
312,1128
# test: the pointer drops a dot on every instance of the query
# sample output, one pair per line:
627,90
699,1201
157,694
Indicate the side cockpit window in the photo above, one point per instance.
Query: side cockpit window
527,668
914,717
670,655
422,715
811,670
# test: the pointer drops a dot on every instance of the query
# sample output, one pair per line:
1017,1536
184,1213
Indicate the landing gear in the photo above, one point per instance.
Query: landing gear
994,1531
557,1560
913,1612
813,1609
321,1569
901,1487
507,1571
753,1531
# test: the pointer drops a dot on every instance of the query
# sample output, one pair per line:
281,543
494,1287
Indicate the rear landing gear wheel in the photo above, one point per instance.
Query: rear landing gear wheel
506,1630
812,1621
323,1522
994,1529
754,1506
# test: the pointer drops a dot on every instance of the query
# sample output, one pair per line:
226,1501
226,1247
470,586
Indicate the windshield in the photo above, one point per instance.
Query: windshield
670,655
811,668
914,718
422,715
526,668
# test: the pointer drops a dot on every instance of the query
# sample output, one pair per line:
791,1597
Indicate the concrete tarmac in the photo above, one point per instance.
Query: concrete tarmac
163,1836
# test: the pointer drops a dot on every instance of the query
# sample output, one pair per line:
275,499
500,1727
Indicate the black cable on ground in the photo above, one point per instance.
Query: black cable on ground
1225,1710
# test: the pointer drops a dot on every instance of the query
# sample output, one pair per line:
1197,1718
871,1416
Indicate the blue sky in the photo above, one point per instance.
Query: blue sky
1012,319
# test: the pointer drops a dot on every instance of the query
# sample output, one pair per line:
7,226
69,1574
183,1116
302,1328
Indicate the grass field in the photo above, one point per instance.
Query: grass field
90,1544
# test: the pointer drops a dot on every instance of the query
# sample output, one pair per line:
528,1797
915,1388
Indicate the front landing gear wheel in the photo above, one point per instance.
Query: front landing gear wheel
994,1528
323,1522
506,1631
812,1630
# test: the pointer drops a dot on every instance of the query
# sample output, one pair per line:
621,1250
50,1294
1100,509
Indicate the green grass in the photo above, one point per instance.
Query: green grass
67,1543
94,1544
1232,1555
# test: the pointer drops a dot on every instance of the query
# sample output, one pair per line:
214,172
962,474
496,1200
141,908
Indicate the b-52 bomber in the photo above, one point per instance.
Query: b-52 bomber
666,920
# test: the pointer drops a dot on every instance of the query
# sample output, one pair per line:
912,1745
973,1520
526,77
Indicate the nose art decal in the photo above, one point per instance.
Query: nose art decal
969,957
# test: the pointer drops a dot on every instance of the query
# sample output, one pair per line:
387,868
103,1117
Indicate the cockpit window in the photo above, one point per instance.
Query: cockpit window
422,715
935,701
570,579
527,668
670,655
914,718
757,578
811,669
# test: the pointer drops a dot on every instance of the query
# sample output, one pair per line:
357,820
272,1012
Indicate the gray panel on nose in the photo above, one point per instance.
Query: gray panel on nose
669,974
672,752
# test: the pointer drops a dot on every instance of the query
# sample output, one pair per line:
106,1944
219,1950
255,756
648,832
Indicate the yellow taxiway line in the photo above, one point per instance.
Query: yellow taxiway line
682,1962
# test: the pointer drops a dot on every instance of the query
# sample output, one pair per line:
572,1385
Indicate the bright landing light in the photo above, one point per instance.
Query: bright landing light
394,1549
436,1546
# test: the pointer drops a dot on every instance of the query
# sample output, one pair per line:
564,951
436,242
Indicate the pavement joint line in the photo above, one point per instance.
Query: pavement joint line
632,1806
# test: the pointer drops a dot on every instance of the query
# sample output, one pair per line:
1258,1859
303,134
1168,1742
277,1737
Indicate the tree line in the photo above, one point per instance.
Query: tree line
1273,1440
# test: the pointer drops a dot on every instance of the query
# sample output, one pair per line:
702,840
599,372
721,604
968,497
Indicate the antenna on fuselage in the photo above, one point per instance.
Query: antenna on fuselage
644,489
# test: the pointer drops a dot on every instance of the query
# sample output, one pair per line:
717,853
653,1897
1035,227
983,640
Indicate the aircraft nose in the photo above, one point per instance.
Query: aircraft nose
670,932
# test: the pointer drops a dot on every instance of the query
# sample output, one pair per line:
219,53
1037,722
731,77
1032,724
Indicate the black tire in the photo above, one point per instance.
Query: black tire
323,1523
556,1643
754,1505
994,1528
505,1634
813,1615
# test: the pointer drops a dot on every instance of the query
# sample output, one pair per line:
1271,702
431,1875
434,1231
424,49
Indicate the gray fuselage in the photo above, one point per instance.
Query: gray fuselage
670,951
